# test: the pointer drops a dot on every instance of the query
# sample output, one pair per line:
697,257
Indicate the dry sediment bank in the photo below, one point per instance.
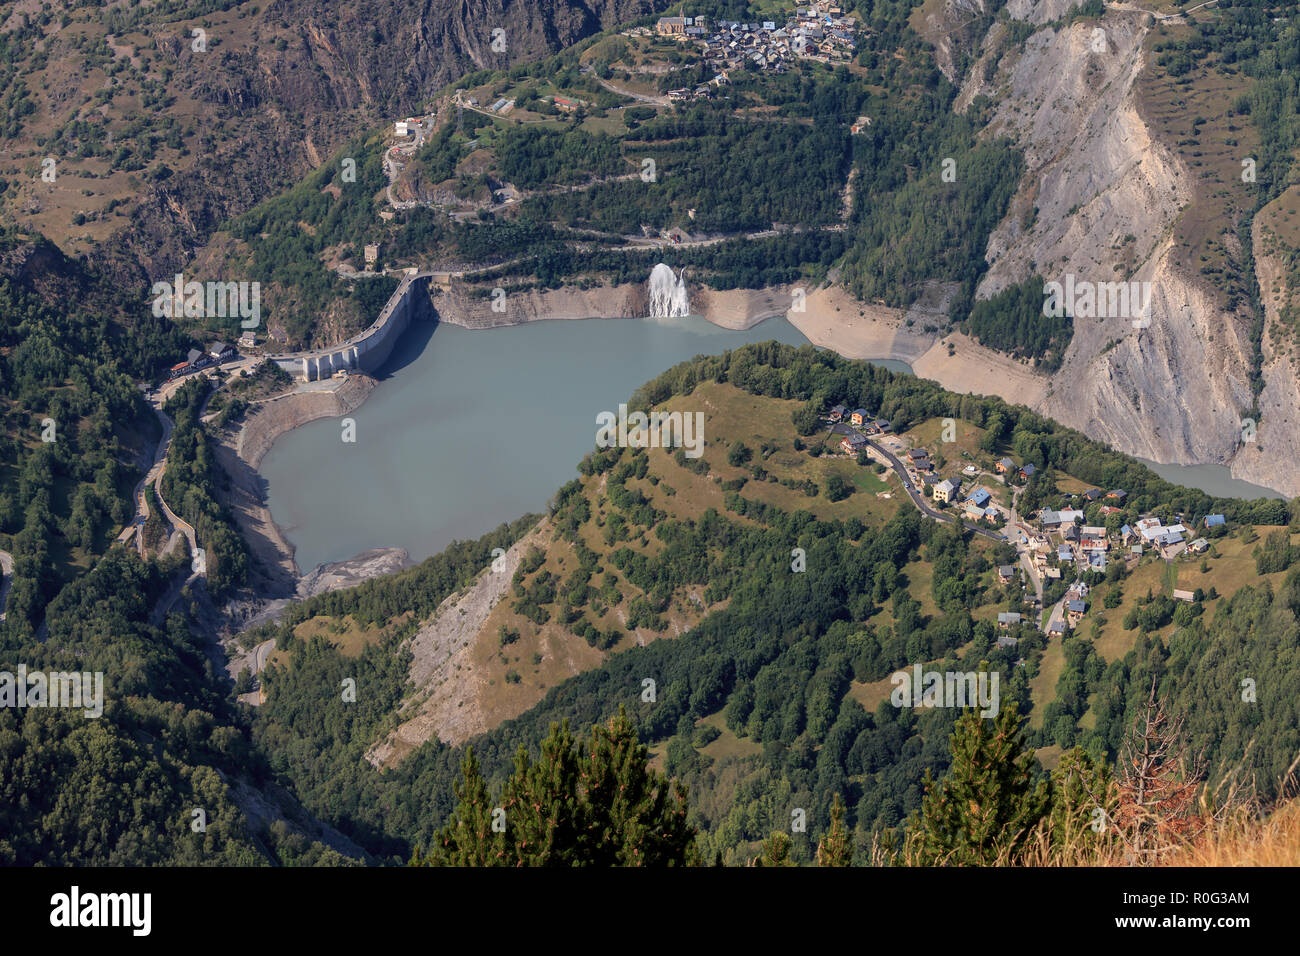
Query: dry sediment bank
831,318
271,419
735,309
276,573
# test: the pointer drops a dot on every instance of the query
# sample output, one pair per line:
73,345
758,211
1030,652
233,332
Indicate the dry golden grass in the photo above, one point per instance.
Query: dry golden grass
1271,841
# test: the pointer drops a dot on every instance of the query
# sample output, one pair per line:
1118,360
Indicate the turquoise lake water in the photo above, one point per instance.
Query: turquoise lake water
470,428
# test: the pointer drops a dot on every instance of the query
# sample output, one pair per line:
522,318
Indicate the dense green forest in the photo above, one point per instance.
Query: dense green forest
1013,322
71,349
121,788
337,200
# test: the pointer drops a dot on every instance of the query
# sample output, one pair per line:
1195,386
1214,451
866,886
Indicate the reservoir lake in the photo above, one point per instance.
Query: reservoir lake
470,428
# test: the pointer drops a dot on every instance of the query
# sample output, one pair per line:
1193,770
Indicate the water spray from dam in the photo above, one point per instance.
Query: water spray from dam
668,295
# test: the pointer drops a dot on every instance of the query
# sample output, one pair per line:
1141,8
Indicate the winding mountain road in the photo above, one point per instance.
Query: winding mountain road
920,501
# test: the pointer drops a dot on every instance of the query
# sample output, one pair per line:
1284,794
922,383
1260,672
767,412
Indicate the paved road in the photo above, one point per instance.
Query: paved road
1131,8
136,528
639,97
920,502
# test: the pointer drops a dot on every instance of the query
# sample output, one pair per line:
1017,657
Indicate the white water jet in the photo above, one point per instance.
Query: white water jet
667,293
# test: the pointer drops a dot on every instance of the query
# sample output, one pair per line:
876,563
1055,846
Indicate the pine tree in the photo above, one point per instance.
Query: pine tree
836,846
468,840
545,819
982,812
573,806
1158,784
776,851
635,817
1084,801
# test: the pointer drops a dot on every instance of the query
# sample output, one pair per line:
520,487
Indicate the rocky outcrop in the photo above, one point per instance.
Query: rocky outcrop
1100,200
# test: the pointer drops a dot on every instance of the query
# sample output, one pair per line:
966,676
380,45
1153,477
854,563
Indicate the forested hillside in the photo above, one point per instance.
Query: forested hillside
71,349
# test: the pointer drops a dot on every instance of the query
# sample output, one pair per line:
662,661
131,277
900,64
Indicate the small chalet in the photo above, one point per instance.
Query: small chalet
1093,539
1004,466
837,413
1006,572
859,416
946,490
1074,611
853,444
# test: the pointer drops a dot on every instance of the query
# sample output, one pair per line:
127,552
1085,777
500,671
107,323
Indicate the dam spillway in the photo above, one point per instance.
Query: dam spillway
667,293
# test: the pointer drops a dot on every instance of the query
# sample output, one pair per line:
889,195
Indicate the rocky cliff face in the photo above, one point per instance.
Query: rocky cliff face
1107,198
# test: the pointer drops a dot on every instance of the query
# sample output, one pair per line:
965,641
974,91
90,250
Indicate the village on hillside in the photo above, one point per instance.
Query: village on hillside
821,32
1052,546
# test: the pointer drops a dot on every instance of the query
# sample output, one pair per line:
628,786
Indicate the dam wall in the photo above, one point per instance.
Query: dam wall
367,350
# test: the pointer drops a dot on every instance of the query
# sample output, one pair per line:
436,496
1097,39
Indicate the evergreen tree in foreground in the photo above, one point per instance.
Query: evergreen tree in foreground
836,847
574,806
982,813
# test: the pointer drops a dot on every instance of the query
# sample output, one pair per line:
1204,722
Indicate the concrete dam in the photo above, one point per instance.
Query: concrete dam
369,349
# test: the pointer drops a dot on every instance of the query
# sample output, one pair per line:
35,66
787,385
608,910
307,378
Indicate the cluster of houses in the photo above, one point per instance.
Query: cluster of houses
1090,545
820,31
865,424
1170,540
1008,467
217,353
1087,547
977,505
